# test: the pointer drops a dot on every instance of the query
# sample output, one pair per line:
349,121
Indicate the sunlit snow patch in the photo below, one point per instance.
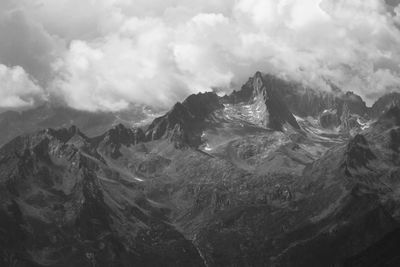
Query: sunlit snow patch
208,148
364,125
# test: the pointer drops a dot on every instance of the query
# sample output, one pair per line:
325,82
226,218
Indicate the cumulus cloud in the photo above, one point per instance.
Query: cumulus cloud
17,90
26,43
108,54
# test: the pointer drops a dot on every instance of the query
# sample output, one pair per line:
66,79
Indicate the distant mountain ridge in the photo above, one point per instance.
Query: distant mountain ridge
282,100
15,123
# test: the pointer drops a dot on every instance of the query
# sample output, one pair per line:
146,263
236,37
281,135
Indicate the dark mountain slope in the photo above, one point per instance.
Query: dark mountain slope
63,206
279,113
384,103
183,123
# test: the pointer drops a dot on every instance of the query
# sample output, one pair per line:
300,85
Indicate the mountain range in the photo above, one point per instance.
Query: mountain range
274,174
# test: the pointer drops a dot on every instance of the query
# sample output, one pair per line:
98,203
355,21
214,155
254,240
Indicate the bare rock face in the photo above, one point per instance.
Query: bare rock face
283,99
202,104
357,155
391,116
354,104
348,119
245,94
278,112
395,140
384,103
175,124
121,135
182,124
329,119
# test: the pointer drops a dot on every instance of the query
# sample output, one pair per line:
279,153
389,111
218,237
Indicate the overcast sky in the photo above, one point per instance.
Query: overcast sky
105,54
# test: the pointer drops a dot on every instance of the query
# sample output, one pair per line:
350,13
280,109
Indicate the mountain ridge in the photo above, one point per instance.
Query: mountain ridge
210,183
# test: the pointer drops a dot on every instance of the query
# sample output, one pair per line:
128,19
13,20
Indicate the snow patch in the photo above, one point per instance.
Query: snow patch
364,125
208,148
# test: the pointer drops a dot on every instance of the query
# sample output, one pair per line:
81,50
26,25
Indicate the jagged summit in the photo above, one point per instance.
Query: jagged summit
279,113
182,123
64,134
261,92
355,103
202,104
283,99
120,134
384,103
243,95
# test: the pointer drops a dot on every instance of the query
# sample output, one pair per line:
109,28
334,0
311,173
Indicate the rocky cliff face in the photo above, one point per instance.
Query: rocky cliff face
329,119
121,135
294,98
384,103
357,155
278,113
183,123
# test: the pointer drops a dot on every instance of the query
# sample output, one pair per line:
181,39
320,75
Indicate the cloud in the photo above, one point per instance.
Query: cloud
108,54
17,89
130,66
25,42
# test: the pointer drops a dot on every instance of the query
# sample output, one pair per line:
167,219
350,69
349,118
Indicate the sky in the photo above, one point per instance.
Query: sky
105,55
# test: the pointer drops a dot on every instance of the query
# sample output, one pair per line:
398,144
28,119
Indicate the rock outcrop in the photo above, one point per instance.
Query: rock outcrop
384,103
357,154
182,124
329,119
348,119
278,113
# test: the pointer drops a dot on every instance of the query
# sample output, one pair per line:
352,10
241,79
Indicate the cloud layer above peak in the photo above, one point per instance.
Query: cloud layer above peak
107,54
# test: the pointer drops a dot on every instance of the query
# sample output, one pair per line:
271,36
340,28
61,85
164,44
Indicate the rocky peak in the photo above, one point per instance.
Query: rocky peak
384,103
64,134
348,119
278,113
202,104
179,114
354,103
123,135
243,95
182,123
162,126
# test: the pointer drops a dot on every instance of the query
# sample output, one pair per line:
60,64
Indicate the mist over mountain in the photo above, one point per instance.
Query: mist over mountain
48,115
